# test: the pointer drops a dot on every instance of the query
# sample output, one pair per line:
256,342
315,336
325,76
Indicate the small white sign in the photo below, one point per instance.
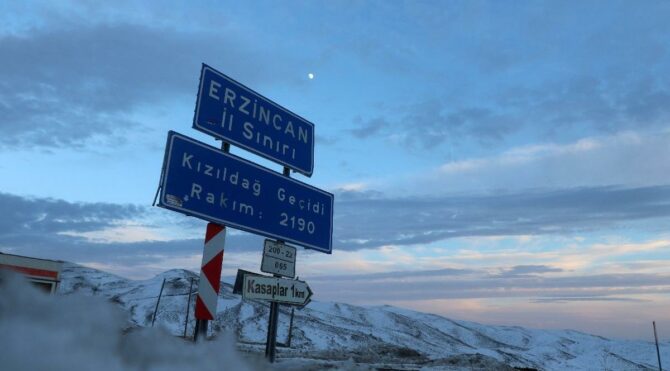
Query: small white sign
278,258
279,250
277,266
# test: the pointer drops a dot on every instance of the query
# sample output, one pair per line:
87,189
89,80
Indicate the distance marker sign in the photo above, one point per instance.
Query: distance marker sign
202,181
278,258
236,114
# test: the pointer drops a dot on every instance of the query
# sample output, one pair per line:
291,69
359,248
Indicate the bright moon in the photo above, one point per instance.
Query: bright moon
311,76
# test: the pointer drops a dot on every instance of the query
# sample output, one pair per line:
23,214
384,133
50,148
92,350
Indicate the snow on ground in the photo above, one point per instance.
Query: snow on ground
325,335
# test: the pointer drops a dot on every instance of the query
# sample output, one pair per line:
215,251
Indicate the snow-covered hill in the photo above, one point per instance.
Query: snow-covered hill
383,336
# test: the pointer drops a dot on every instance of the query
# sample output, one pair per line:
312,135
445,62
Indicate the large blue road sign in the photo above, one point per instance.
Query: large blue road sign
205,182
234,113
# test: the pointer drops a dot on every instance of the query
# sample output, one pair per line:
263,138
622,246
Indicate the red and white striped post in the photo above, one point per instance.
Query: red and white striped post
210,277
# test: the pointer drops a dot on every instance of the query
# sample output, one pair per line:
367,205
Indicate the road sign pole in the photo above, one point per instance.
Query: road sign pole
271,344
290,328
200,328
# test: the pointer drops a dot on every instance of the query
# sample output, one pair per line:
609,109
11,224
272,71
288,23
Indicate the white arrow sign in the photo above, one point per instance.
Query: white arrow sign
276,289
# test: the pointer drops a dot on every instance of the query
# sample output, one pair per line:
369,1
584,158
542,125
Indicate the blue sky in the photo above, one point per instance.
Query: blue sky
503,162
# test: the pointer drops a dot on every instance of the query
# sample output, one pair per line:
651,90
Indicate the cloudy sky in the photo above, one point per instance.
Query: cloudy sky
507,163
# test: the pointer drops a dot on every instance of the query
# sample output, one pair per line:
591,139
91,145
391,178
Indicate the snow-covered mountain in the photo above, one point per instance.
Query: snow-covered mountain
382,336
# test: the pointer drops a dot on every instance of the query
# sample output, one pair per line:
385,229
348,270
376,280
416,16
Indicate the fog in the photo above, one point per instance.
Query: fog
43,332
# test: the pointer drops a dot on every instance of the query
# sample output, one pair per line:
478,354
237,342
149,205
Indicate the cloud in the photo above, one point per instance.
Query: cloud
527,270
50,216
437,124
571,254
396,275
36,225
487,279
626,159
493,75
560,111
587,298
125,238
74,73
125,233
374,222
130,259
66,85
598,104
326,140
347,192
369,128
490,270
530,153
81,231
481,286
610,318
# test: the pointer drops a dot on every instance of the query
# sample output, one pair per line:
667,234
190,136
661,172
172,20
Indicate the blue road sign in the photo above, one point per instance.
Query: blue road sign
234,113
203,181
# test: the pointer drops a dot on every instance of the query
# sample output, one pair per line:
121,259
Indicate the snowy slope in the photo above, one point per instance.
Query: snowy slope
373,335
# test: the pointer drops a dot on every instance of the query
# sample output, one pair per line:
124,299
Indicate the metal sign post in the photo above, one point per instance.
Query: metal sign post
271,344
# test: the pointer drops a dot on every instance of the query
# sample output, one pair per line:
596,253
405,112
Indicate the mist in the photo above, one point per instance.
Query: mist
74,332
